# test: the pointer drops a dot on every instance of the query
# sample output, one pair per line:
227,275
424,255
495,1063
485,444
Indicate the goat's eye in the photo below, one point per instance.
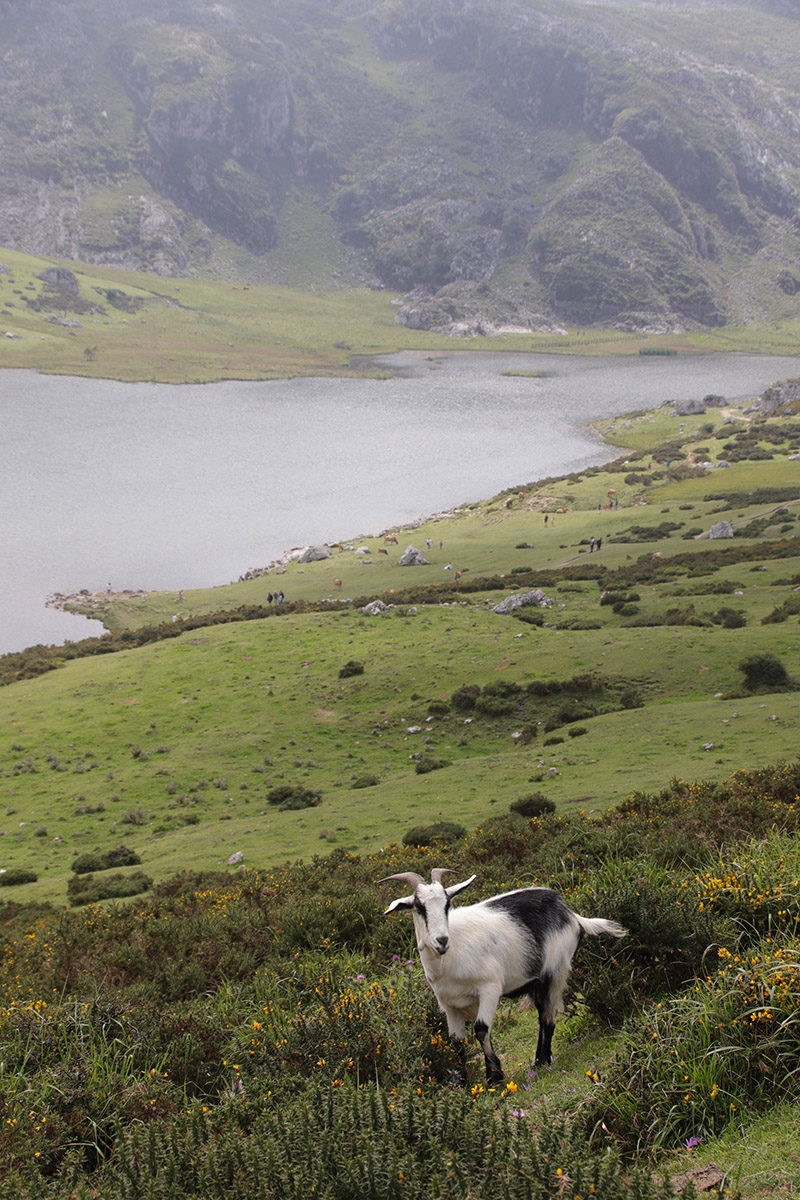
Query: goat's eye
420,907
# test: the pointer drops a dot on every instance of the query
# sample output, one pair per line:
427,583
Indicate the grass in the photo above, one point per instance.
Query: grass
198,330
172,748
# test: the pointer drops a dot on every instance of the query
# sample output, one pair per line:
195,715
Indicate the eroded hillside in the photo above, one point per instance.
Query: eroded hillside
504,164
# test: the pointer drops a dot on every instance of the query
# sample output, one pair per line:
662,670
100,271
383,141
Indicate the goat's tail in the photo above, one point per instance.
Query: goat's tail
597,925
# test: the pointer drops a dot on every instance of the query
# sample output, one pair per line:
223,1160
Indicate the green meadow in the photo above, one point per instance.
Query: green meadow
175,747
134,326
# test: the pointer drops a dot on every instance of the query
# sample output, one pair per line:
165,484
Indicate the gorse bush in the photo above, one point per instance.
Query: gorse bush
202,1039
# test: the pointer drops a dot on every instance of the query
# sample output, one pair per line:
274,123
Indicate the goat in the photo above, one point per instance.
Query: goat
516,945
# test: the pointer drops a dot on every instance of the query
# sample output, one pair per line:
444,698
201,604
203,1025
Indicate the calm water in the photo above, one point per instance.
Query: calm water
158,486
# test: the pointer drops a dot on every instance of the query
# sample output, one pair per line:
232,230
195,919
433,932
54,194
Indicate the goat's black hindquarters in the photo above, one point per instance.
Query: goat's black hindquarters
494,1071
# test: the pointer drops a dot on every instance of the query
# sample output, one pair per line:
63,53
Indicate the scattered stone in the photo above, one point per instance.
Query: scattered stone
703,1179
314,554
238,857
721,529
536,599
374,608
412,557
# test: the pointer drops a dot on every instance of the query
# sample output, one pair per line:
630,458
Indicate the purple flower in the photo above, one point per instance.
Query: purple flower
361,977
518,1112
691,1142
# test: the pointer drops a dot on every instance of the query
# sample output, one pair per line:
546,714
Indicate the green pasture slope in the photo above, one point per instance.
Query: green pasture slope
176,748
134,326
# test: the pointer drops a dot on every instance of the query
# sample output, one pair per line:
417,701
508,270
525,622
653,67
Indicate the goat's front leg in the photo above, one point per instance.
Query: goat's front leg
487,1007
457,1028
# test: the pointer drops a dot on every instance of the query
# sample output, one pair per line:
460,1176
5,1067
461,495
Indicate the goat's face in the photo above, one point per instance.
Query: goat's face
430,906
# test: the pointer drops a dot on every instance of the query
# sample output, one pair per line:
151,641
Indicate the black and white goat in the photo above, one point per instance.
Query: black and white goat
518,944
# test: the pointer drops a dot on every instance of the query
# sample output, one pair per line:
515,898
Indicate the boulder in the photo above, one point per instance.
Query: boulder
412,557
60,277
238,857
314,554
536,598
374,608
722,529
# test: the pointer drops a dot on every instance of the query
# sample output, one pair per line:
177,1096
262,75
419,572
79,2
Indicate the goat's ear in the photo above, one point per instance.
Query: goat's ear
459,887
403,902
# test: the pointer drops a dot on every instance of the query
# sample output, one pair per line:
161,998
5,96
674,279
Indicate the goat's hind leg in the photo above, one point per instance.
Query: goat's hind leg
483,1032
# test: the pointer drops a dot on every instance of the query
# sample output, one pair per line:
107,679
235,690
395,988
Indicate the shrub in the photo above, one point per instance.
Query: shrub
93,861
438,708
494,706
85,889
465,696
428,763
352,667
290,797
534,805
364,781
17,875
441,832
135,816
577,731
763,672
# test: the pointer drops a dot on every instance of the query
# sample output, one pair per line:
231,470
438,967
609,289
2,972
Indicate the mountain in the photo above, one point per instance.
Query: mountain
503,163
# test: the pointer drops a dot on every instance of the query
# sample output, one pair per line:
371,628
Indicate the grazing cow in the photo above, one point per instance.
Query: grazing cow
382,551
337,583
390,539
458,575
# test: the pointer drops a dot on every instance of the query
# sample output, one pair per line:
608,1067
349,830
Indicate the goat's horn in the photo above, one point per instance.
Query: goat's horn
410,877
438,872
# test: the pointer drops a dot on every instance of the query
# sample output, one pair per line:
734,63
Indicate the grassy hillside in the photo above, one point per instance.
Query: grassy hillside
632,671
130,326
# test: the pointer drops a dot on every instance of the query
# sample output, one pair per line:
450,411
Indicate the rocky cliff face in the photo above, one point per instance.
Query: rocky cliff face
507,163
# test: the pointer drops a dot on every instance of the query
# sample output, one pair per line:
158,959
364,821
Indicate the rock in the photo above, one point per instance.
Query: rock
374,608
66,322
723,464
688,408
412,557
536,598
61,277
238,857
722,529
314,554
779,397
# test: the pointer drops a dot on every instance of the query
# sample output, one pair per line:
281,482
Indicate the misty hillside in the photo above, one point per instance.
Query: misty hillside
502,163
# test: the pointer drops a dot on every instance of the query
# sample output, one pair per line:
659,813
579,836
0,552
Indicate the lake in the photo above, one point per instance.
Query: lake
162,486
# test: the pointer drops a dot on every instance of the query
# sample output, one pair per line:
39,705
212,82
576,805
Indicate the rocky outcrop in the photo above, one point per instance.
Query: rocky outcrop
536,599
585,168
783,396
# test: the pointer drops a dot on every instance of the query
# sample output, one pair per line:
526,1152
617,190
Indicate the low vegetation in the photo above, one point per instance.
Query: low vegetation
196,1040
